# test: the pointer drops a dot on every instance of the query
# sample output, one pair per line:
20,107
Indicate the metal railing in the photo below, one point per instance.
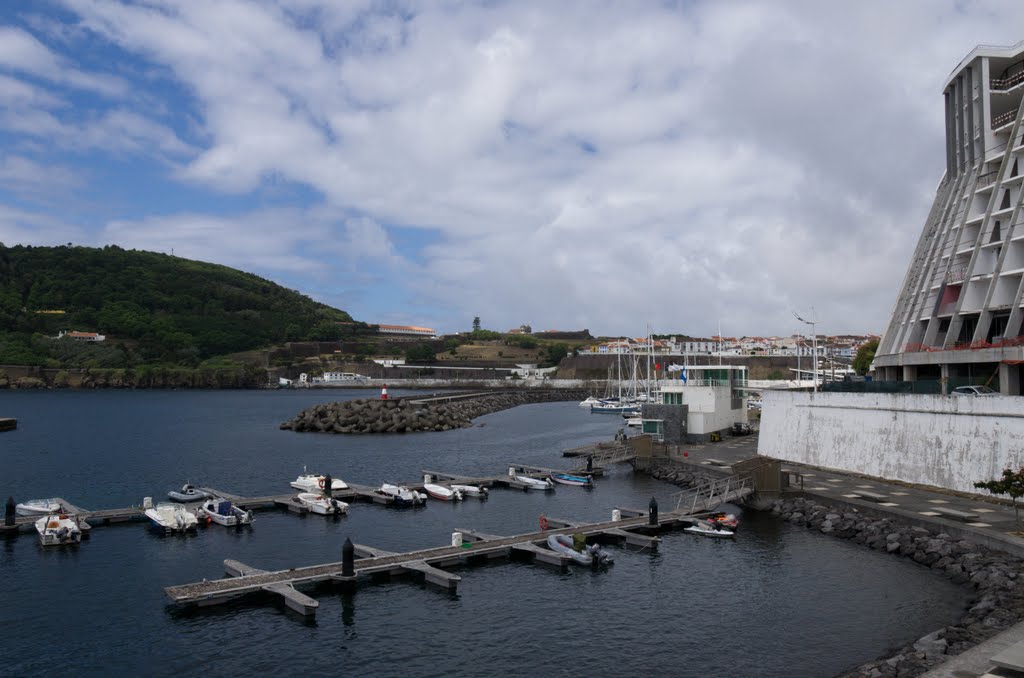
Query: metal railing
708,496
1006,83
1005,118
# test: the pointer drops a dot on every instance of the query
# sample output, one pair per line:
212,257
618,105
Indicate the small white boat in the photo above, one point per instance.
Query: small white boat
534,484
188,493
322,505
223,512
402,495
39,507
57,529
316,482
471,490
705,530
441,492
590,555
589,402
172,518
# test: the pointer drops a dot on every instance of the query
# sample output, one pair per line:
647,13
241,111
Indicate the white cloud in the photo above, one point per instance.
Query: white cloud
584,164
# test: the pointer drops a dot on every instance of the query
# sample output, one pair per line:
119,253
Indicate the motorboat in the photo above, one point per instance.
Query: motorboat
39,507
58,529
315,482
188,493
727,520
471,490
223,512
592,400
172,518
441,492
534,484
615,407
706,530
569,479
402,495
633,421
321,505
590,555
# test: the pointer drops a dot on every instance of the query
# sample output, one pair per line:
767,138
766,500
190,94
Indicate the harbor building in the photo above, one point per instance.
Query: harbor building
702,404
958,317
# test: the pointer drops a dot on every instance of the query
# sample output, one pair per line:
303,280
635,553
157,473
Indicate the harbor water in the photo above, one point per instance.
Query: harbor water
777,601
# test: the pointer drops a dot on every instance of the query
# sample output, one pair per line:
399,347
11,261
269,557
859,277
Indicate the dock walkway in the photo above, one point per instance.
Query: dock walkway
429,560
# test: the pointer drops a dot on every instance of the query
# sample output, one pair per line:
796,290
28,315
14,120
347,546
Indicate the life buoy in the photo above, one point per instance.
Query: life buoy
543,524
323,484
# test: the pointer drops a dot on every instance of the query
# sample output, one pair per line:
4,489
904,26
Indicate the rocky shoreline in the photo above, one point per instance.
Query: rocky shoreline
998,590
367,415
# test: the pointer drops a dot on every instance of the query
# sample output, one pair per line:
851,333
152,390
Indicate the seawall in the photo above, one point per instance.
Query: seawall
415,414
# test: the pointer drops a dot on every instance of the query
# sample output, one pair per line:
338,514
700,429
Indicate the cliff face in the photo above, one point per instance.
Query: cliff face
241,376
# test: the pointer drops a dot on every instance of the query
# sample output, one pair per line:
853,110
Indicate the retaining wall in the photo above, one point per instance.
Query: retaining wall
943,441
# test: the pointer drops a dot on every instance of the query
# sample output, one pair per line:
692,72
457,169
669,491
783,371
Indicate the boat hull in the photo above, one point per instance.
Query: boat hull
174,519
567,479
58,531
442,493
471,490
39,507
709,532
322,505
534,484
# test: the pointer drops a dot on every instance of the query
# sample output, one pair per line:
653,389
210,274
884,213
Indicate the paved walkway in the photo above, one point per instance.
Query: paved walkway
992,521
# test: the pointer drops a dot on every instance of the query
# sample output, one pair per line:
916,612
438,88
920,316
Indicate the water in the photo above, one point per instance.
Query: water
778,601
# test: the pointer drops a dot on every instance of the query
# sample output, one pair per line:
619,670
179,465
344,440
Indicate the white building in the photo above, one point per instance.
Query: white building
714,395
407,331
957,319
82,336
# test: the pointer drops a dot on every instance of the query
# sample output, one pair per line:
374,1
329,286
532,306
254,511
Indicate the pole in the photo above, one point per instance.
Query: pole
814,338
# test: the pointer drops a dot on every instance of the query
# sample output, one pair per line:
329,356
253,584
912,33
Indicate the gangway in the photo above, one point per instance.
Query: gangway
709,496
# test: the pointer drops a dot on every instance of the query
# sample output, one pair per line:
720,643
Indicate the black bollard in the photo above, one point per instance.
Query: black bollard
652,512
328,483
348,559
9,512
590,462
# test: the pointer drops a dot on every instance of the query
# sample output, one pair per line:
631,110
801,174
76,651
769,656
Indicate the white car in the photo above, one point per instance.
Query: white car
974,391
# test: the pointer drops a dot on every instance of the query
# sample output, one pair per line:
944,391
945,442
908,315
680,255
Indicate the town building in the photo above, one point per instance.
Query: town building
407,331
82,336
957,319
701,402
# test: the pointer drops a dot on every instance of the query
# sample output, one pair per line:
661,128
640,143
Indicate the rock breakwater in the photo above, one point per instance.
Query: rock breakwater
409,415
996,578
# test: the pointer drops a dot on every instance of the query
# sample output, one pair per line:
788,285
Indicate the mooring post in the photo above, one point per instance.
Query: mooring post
328,482
9,512
590,462
652,512
348,559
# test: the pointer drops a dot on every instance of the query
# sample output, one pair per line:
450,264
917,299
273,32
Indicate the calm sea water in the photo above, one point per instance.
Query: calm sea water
778,601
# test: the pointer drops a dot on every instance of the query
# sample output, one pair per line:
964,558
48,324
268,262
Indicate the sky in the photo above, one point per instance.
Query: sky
683,166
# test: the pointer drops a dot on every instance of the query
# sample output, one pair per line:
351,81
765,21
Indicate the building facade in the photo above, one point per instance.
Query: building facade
958,316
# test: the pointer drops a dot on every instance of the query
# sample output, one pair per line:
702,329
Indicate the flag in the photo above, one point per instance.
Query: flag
682,375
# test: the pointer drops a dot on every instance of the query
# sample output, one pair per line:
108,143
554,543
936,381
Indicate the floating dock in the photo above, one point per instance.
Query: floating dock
425,564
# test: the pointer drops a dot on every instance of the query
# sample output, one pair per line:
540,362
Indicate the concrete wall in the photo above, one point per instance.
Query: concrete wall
943,441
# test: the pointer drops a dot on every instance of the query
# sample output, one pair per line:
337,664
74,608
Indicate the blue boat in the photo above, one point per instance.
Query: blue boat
568,479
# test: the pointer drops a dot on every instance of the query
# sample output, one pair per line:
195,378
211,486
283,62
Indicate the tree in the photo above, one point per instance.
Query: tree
1012,483
476,324
556,352
865,355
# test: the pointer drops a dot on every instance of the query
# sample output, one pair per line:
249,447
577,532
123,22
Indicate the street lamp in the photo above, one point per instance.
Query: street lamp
814,342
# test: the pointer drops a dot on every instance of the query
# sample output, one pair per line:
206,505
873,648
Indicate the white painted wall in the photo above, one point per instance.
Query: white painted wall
943,441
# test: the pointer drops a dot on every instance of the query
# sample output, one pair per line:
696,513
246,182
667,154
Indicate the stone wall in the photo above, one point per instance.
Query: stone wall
941,441
406,415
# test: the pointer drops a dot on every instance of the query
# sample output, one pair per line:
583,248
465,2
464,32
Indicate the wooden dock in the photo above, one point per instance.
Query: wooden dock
8,424
426,563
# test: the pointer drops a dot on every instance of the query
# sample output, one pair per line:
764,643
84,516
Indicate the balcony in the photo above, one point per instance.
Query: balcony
1003,120
1003,84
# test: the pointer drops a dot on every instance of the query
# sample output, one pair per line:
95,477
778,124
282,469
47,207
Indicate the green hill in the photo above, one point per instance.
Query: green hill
153,308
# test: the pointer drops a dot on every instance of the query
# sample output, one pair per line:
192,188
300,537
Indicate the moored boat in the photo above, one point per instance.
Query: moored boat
39,507
321,505
316,482
441,492
592,400
534,484
705,530
223,512
58,529
402,495
569,479
727,520
172,518
615,407
471,490
188,493
590,555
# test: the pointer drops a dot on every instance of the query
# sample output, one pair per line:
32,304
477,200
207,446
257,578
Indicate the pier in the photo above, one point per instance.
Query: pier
367,562
8,424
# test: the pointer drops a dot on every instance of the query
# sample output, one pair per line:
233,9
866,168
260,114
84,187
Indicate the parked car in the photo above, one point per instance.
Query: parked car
974,391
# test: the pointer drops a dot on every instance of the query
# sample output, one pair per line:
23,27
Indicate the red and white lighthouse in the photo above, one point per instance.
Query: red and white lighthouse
384,392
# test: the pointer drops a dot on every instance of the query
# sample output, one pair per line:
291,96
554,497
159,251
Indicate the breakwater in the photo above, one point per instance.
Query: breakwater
992,575
410,415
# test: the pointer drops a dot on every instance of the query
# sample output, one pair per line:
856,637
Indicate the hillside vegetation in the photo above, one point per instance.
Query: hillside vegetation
155,309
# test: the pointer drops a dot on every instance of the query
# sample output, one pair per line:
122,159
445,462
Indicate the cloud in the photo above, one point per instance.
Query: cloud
20,51
580,164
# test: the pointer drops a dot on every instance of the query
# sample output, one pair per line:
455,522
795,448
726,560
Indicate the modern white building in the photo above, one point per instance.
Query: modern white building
713,395
958,316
